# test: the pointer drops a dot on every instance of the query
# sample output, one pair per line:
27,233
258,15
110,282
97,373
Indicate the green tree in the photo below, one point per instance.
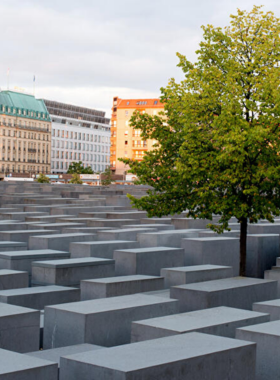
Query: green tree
42,178
76,179
106,177
218,143
78,168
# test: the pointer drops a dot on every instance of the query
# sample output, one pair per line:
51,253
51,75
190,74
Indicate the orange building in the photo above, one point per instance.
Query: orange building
126,141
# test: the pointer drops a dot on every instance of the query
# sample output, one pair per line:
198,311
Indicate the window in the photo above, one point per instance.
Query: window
127,103
126,133
126,142
155,102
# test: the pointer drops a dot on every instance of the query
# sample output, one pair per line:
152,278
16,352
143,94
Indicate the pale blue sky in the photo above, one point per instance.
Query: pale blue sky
86,52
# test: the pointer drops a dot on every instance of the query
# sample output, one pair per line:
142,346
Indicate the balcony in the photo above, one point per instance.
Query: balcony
30,150
25,127
32,161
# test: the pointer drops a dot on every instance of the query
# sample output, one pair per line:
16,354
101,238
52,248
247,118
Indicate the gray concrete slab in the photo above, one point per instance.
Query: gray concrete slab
39,297
116,223
24,235
194,273
189,223
193,356
119,286
165,238
15,366
103,249
105,322
147,261
262,252
22,260
123,234
12,279
59,242
19,328
239,292
212,250
6,246
69,272
267,338
158,227
222,321
272,307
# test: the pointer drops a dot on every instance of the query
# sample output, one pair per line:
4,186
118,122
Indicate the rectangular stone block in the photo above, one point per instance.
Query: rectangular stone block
54,355
39,296
126,215
190,223
123,234
22,260
239,292
215,250
156,220
6,246
222,321
193,356
119,286
103,249
12,279
158,227
262,252
116,223
267,337
264,228
47,218
69,272
209,233
15,366
88,230
20,215
19,328
24,235
54,226
194,273
105,322
58,242
272,307
165,238
147,261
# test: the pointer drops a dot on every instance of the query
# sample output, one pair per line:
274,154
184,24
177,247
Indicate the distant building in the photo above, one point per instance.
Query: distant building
25,134
126,141
78,134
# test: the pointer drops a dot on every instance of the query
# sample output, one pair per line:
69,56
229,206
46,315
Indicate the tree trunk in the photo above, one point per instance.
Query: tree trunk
243,246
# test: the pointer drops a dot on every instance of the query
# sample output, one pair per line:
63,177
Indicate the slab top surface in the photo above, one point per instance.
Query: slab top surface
35,290
7,310
31,254
185,322
150,249
110,304
269,328
196,268
79,262
13,362
112,280
151,353
224,284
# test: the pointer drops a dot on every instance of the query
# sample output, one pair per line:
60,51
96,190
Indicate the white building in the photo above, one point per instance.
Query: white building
78,134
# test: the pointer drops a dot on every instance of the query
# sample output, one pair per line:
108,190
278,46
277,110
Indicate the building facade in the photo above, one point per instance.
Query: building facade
78,134
126,141
25,134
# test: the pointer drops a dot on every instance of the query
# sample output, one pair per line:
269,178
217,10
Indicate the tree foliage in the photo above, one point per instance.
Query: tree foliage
218,142
106,177
42,178
78,168
76,179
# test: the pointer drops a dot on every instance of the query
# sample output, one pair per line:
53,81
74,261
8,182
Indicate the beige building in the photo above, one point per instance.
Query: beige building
25,134
126,141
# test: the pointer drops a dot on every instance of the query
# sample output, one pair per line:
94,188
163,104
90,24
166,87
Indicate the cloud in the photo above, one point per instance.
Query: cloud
87,52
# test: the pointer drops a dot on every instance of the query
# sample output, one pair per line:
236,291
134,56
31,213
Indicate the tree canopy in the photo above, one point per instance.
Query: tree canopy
42,178
78,168
106,177
218,140
76,179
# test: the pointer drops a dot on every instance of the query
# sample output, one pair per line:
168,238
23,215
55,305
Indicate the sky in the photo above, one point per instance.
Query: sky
86,52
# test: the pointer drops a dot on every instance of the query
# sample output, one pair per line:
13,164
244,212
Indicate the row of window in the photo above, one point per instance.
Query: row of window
79,146
21,134
79,156
21,111
8,168
23,124
64,166
80,136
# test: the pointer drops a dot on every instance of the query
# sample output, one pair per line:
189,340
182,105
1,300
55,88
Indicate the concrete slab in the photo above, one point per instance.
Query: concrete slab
19,328
105,322
148,261
165,238
193,356
103,249
239,292
222,321
12,279
194,273
59,242
69,272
